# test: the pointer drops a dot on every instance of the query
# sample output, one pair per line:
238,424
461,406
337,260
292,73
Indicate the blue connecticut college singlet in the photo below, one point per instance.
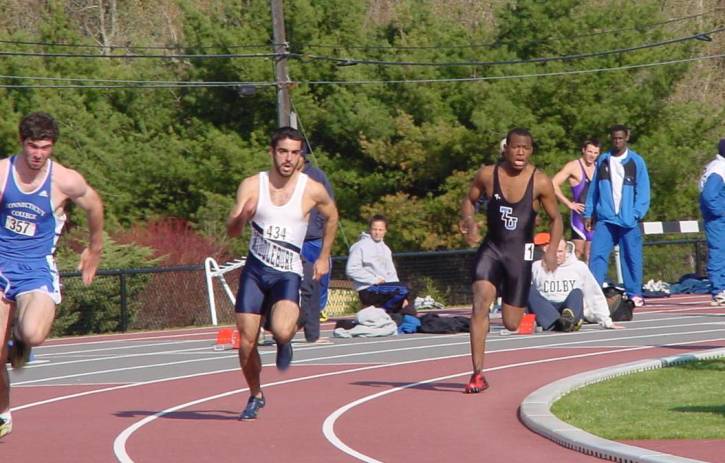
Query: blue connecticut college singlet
29,228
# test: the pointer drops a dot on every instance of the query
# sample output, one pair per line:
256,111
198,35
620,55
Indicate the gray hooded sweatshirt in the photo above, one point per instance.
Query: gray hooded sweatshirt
370,260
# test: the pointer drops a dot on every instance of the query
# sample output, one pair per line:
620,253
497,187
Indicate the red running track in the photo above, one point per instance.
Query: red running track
419,413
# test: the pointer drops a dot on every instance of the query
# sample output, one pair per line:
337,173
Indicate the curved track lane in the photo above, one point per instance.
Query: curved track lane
144,397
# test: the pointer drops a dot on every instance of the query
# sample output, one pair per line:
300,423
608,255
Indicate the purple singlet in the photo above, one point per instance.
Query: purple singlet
579,191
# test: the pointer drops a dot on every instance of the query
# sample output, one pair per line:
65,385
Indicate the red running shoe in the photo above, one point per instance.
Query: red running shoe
476,384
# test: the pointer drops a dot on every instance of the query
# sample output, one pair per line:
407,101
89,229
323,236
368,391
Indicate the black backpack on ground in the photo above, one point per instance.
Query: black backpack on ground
621,308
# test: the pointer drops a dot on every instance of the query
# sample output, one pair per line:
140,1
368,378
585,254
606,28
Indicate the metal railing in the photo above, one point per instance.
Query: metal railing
164,297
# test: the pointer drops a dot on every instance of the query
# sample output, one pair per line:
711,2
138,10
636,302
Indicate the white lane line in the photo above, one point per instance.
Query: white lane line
113,357
113,370
262,352
328,426
57,342
693,312
105,349
114,384
119,445
368,353
374,342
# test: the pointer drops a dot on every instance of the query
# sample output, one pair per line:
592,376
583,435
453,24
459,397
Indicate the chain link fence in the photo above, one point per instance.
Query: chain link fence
157,298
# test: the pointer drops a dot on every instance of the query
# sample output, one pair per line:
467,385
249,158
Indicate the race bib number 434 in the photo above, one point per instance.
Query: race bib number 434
20,227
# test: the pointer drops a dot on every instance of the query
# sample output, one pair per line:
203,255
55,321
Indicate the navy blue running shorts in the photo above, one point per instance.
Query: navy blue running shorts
260,287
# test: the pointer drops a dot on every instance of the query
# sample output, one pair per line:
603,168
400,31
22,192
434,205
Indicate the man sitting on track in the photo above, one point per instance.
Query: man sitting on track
277,203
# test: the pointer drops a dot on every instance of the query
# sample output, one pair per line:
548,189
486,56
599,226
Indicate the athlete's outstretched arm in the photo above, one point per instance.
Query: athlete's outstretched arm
468,224
547,198
244,207
74,185
327,209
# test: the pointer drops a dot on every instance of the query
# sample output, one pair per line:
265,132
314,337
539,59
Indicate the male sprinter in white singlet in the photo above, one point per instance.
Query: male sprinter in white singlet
277,203
33,193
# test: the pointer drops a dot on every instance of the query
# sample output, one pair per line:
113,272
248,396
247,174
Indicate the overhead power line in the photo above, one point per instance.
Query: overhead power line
353,61
134,47
203,84
41,54
187,46
498,43
510,77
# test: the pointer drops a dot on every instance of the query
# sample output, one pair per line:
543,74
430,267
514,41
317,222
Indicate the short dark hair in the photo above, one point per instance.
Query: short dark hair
377,218
618,128
591,141
38,126
283,133
520,131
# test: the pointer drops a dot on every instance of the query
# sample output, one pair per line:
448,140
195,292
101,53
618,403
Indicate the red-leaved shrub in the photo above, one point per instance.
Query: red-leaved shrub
176,298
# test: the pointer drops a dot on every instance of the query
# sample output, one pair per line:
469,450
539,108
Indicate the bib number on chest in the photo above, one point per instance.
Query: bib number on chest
275,232
20,227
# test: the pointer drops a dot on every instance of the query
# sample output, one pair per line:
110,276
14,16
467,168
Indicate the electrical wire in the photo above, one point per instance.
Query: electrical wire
135,47
202,84
315,163
135,56
120,81
510,77
356,47
353,61
497,44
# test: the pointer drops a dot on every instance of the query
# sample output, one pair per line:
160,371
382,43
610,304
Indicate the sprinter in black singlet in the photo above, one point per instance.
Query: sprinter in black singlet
515,190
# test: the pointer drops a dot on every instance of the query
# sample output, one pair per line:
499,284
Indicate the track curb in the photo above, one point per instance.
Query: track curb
535,412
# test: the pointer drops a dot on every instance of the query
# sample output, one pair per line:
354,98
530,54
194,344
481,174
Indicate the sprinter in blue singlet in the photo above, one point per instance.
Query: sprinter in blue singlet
33,193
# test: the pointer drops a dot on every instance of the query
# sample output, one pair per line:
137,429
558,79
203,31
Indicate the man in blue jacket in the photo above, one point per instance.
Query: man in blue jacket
617,201
313,293
712,205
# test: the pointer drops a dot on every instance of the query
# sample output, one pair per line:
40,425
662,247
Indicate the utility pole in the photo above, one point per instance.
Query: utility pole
280,66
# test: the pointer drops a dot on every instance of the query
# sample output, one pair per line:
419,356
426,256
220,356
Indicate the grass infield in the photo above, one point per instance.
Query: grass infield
678,402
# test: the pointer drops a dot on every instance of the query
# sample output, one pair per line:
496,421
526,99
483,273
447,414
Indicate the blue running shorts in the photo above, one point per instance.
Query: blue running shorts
260,287
18,278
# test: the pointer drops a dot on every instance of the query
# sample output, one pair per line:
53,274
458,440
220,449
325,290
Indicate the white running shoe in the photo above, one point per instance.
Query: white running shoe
718,299
6,424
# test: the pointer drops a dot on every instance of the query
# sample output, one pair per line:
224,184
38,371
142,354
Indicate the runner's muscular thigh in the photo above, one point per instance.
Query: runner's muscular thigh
36,311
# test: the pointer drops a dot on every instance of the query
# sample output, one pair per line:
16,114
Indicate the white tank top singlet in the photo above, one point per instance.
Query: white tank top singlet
279,231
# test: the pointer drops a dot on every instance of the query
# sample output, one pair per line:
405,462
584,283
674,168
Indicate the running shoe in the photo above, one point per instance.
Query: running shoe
476,384
567,321
578,325
284,356
252,408
638,301
19,353
718,299
6,425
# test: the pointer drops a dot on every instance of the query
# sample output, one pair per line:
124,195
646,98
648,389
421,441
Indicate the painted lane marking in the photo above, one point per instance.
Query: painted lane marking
366,353
329,423
119,444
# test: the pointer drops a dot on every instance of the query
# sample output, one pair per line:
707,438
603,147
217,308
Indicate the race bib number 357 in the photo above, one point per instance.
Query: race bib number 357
20,227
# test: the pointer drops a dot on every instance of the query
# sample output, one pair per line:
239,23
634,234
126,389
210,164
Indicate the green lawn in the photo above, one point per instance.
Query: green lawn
679,402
